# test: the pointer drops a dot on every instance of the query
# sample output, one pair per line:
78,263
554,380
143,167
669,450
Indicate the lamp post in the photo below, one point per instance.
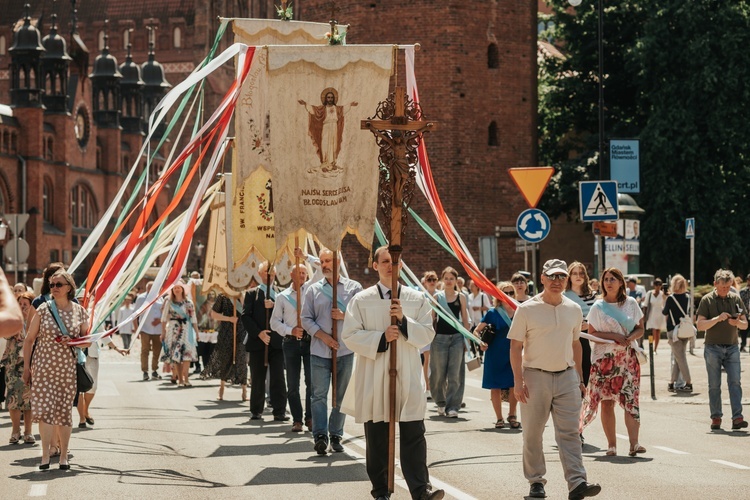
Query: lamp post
199,253
600,81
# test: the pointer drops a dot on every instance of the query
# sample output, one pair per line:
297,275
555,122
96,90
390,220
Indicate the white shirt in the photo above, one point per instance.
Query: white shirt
153,313
480,300
121,315
284,316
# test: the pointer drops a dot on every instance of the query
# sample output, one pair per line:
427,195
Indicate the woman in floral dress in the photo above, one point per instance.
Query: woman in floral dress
615,370
52,374
229,358
19,394
179,326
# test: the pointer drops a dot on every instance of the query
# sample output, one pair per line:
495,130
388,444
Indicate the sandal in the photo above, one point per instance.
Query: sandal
29,439
636,449
14,438
500,424
611,451
513,421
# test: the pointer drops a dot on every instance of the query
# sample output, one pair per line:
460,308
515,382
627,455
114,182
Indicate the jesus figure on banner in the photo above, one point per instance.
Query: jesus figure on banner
326,128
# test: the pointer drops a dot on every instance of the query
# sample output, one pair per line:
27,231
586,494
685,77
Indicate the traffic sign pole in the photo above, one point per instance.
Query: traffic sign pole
690,234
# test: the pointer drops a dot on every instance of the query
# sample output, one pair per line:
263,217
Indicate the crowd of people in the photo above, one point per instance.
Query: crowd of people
573,351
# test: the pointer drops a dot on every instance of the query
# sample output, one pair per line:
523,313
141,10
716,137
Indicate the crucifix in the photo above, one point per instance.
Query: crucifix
398,126
333,22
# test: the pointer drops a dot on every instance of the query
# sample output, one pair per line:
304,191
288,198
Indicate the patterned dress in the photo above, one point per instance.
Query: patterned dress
615,370
223,365
19,394
181,339
53,367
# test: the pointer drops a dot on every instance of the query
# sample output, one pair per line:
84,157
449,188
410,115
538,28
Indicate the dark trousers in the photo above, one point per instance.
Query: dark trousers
204,353
413,456
297,353
743,338
585,360
276,381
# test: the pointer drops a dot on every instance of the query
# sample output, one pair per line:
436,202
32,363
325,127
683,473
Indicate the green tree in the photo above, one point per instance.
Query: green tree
676,77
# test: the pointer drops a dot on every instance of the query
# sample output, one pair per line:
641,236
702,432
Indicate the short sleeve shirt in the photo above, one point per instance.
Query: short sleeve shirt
712,305
547,332
605,323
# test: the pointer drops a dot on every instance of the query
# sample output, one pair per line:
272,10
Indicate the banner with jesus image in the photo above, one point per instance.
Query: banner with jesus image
325,167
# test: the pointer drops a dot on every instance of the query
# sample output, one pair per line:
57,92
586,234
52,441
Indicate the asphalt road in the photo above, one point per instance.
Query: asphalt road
154,440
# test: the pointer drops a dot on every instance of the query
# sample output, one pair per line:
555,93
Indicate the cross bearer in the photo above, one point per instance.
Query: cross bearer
368,332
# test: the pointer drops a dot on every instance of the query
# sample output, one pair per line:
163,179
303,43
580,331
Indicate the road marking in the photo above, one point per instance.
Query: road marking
671,450
473,399
730,464
38,490
451,490
622,437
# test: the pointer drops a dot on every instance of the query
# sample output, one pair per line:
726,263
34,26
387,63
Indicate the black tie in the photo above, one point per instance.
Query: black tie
388,294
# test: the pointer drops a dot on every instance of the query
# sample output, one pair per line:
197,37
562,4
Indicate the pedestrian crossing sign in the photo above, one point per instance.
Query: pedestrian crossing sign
598,200
690,228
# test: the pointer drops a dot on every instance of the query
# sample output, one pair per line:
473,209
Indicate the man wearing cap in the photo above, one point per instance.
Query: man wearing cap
546,358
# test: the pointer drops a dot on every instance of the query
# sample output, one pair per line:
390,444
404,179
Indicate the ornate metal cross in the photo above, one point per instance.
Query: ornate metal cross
398,126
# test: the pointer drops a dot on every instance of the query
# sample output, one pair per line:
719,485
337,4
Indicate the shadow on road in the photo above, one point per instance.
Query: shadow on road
322,474
262,450
155,477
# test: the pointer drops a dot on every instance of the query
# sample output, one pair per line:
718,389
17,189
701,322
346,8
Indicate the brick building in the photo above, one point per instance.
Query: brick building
476,72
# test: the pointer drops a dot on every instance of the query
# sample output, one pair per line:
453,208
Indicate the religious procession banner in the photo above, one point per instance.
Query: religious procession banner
215,274
251,154
325,168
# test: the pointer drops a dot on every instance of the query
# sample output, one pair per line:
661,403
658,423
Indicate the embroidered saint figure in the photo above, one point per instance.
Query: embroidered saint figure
326,127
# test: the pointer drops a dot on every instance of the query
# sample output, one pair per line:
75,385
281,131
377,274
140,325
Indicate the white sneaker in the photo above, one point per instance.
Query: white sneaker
428,394
441,411
452,414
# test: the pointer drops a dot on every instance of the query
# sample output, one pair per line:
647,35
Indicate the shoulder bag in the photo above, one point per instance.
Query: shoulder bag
684,329
84,380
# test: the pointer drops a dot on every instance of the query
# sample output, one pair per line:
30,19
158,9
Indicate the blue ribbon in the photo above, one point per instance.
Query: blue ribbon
327,290
265,292
614,312
289,294
181,312
80,356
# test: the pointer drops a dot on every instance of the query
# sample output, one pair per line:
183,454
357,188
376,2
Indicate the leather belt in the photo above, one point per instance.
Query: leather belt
548,371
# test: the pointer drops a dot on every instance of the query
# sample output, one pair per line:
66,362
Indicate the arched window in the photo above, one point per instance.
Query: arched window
13,143
493,56
125,38
82,208
47,200
492,139
177,38
6,141
100,37
125,163
2,45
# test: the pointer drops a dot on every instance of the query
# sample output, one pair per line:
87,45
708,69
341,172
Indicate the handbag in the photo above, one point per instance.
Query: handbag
473,363
684,329
487,335
84,380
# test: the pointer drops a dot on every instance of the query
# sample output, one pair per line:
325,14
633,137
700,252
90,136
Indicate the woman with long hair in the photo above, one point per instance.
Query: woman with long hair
578,291
498,373
447,351
617,319
675,307
179,333
52,371
19,393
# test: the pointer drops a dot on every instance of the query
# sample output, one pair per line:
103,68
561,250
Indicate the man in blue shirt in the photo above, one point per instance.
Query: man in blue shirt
318,314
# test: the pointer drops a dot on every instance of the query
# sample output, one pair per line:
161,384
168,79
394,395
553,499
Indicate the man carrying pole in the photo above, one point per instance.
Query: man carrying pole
319,315
369,332
398,126
265,348
286,321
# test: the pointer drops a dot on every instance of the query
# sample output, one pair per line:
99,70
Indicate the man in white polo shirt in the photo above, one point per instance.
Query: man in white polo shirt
546,358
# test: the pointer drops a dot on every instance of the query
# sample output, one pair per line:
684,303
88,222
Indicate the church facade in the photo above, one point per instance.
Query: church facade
70,130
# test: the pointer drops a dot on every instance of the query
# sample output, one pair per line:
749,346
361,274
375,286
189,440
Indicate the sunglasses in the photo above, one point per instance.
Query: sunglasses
431,280
509,292
557,277
57,285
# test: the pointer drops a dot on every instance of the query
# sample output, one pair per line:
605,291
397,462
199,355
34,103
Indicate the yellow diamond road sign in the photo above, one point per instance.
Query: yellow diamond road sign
531,181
